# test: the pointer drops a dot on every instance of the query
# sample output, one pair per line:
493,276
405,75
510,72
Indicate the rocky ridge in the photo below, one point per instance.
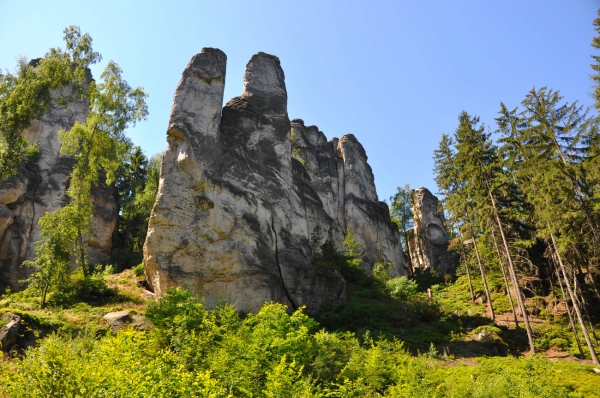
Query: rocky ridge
237,217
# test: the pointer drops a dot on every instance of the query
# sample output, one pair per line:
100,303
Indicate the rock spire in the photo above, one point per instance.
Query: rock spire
237,217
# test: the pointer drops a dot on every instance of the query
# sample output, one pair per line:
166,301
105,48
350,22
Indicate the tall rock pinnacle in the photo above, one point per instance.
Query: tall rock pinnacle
237,218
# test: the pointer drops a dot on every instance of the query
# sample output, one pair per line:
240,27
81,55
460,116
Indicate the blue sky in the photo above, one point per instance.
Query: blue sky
395,74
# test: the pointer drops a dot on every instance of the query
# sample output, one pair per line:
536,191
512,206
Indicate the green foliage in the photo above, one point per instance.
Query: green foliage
137,186
52,263
296,149
381,271
29,93
90,290
402,288
401,212
217,353
97,146
554,333
427,279
139,270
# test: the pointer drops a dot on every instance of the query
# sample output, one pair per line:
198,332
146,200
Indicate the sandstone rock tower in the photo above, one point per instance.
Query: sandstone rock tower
429,243
236,216
41,187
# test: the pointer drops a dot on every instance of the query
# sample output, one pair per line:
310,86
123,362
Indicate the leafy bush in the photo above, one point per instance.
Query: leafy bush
177,307
91,290
272,354
560,343
139,270
428,278
402,288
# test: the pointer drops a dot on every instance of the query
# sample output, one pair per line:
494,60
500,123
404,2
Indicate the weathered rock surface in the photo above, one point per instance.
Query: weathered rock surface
344,181
236,217
41,187
9,333
119,319
6,218
429,243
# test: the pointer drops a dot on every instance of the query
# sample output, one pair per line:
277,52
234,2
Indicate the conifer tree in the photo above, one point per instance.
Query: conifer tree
447,178
479,164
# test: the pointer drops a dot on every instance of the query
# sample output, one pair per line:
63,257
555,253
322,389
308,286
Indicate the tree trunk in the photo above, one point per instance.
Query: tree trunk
513,275
512,307
44,292
81,252
575,305
462,251
485,286
583,304
571,322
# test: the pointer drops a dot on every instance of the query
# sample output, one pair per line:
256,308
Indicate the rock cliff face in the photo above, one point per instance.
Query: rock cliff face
41,187
237,217
429,243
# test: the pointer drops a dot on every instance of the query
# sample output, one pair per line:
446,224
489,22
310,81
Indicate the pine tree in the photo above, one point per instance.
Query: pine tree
479,162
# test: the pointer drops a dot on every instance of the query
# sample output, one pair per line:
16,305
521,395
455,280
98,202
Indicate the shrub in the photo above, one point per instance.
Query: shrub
560,343
177,307
91,290
402,288
139,270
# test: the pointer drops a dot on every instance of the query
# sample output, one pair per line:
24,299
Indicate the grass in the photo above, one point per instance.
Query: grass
194,351
71,319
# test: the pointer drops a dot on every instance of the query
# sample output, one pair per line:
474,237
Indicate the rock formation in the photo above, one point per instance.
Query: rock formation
41,187
237,217
429,243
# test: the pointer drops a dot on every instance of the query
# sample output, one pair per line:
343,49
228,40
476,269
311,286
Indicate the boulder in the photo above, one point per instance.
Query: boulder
237,217
9,333
119,319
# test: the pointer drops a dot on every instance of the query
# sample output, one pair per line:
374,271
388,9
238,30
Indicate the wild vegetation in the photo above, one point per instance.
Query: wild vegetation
522,204
385,342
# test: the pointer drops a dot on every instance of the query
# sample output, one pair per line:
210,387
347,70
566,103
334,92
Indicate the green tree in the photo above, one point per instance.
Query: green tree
556,138
29,93
137,186
475,155
550,143
448,180
401,212
98,147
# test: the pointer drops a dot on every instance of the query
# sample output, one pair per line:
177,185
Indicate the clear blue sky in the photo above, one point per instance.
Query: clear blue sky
394,73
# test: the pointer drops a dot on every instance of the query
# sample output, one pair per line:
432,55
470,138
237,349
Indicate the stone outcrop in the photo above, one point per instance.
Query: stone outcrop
344,181
428,244
9,333
237,217
41,187
121,319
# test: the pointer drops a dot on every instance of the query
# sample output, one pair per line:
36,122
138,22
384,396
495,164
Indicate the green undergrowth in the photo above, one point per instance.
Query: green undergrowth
196,352
79,308
387,340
